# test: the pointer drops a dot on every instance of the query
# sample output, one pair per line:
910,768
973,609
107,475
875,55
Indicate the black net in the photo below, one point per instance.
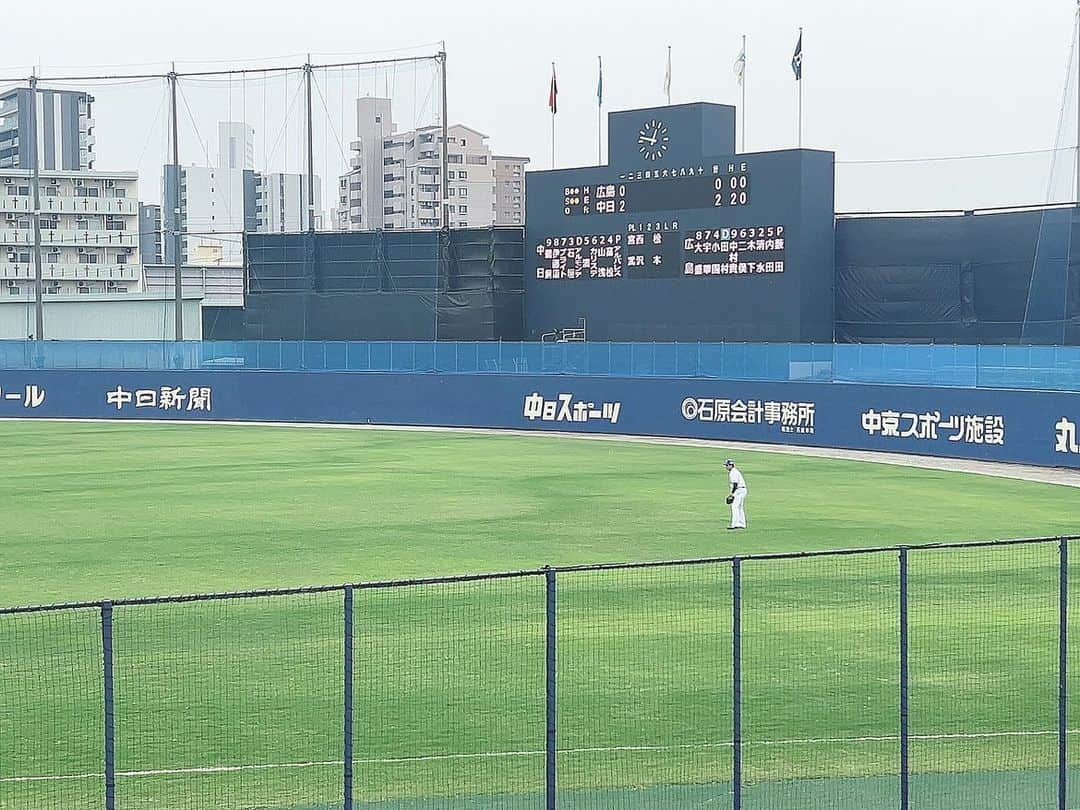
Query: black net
984,651
820,642
233,703
644,688
449,707
51,728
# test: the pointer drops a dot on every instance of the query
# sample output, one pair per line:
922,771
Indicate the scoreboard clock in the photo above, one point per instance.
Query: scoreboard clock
653,139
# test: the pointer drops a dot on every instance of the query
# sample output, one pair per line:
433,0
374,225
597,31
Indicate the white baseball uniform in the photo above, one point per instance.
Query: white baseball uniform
738,512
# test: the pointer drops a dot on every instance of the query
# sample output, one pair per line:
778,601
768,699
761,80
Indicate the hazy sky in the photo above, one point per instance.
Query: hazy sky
881,79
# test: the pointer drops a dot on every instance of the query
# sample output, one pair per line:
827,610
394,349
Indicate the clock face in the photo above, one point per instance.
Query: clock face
653,139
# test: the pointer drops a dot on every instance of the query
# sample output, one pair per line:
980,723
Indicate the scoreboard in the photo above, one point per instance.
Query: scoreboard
680,244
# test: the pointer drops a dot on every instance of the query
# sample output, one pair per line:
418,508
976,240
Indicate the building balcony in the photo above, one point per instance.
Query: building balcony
15,203
122,206
60,271
71,238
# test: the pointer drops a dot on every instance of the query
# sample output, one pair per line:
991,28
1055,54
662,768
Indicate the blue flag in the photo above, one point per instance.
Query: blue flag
796,60
600,84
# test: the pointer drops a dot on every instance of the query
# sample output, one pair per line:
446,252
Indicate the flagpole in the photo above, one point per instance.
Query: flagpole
553,98
743,147
800,88
599,106
669,75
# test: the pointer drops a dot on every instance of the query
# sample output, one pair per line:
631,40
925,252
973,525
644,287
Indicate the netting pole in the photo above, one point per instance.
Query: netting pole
310,151
550,747
348,684
178,244
1063,645
736,685
35,182
110,731
905,736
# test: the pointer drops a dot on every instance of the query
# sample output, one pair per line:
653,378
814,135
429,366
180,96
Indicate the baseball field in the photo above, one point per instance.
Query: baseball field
238,703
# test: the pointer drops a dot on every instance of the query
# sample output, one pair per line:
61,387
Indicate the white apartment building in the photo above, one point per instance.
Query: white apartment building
218,204
89,233
236,145
395,178
510,189
281,202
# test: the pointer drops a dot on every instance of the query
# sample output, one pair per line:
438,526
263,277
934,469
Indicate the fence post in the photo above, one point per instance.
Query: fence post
110,734
905,735
736,685
1063,644
550,747
348,684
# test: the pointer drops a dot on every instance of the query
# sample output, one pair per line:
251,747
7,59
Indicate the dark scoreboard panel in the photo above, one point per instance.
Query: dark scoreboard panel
673,245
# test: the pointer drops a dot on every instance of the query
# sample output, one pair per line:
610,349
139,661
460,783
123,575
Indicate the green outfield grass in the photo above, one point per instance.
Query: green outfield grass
450,679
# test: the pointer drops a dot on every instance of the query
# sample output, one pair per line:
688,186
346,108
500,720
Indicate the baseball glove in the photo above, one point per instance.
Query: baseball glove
730,499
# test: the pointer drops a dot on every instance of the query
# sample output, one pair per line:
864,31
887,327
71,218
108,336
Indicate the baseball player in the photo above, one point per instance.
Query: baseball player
737,496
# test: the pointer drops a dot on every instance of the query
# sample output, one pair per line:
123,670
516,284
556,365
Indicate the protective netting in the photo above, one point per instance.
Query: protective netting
644,688
229,703
984,652
240,701
820,683
450,695
51,728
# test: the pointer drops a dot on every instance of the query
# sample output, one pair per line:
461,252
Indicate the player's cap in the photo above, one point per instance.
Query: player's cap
729,463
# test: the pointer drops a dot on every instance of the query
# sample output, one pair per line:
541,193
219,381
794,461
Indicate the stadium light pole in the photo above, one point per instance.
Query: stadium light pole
35,182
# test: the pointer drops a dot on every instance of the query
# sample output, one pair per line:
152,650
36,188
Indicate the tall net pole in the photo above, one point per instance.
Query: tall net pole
178,300
35,183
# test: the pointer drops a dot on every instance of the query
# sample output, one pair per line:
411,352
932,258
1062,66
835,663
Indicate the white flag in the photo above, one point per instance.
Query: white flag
667,76
740,66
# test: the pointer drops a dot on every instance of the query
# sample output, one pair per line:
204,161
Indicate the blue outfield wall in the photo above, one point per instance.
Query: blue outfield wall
1034,427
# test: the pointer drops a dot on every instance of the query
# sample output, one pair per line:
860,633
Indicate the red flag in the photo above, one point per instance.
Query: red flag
553,93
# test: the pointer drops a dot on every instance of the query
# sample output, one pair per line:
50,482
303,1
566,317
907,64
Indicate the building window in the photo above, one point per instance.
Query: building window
463,192
53,257
463,209
517,217
453,158
23,258
477,160
451,192
463,175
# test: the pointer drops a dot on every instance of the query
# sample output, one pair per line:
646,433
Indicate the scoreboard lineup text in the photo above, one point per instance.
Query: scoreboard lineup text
661,250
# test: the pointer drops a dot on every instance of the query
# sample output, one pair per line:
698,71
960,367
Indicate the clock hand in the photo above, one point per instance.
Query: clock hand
643,139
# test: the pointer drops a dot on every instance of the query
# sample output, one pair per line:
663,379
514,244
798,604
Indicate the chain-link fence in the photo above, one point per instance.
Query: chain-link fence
933,676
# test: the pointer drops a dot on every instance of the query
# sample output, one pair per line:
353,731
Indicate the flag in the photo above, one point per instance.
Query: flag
796,59
600,83
553,93
740,66
667,76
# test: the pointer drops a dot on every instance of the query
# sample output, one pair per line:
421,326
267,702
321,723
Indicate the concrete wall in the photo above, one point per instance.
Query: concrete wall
134,317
